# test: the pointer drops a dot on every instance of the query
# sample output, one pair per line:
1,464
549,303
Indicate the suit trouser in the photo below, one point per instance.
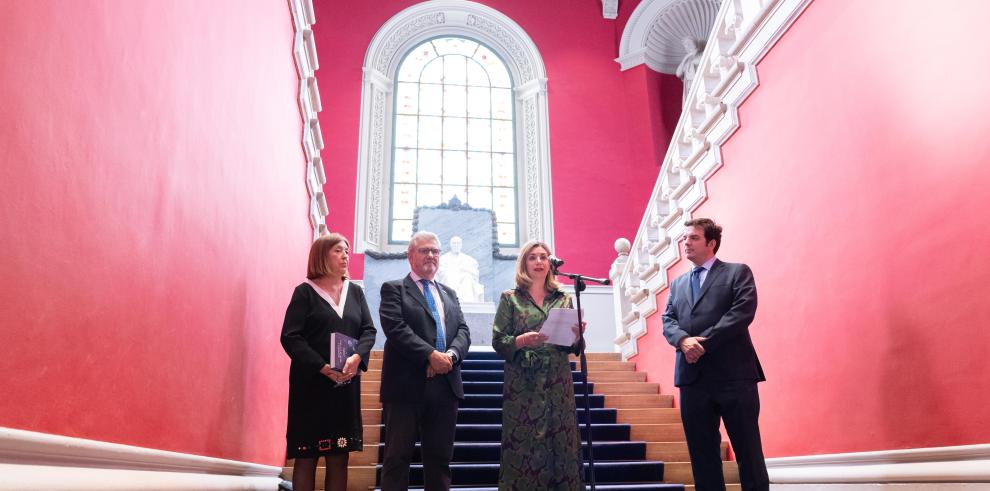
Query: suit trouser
435,419
737,404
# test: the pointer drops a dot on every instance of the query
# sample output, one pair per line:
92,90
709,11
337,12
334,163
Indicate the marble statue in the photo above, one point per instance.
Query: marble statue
460,272
688,68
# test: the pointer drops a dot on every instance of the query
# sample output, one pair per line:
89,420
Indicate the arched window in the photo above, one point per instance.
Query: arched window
453,103
454,134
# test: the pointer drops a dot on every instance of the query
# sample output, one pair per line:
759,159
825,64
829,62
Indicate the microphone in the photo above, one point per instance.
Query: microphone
556,262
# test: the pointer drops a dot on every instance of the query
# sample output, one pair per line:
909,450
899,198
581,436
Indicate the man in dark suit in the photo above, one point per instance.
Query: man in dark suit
426,339
707,320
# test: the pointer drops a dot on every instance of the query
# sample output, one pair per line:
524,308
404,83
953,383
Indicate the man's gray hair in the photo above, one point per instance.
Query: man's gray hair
421,236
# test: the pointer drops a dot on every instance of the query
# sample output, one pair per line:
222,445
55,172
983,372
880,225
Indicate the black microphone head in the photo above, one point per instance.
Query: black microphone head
556,261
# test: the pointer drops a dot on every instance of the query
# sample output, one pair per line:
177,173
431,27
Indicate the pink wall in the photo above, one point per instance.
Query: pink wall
155,220
605,125
855,188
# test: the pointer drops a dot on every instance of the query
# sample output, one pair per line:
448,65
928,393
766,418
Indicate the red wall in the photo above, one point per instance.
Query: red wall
855,188
606,126
155,221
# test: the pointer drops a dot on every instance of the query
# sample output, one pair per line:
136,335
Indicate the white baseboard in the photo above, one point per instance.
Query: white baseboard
38,461
923,486
916,468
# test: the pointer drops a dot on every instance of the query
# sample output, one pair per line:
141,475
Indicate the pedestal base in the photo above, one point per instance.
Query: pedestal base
480,316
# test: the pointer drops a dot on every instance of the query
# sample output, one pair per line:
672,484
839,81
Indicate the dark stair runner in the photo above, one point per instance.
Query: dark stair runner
620,464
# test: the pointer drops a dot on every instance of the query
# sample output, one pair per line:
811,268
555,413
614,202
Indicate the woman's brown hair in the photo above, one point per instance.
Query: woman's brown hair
322,246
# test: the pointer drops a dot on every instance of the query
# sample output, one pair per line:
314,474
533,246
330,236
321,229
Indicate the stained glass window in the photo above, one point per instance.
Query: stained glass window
453,135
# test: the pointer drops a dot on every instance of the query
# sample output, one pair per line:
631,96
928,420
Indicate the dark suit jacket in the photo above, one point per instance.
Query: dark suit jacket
722,313
410,337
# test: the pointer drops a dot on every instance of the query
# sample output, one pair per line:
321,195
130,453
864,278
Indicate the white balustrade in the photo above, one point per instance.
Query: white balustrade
743,32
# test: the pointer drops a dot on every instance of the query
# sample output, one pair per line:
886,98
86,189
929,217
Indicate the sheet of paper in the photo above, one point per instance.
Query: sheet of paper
559,327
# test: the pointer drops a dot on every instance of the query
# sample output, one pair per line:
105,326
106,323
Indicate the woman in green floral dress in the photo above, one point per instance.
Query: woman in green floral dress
541,448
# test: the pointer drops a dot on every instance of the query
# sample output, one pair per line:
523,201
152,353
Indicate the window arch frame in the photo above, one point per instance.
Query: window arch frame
409,28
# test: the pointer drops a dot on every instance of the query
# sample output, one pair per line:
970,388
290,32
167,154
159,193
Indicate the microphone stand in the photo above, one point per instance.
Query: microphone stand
579,286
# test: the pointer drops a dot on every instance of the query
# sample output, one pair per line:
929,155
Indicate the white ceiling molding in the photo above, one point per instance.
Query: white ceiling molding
610,9
393,40
304,51
744,31
658,30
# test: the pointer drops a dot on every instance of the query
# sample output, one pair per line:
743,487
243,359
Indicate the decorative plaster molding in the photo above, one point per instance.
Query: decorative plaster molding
610,9
39,461
454,204
392,41
657,29
632,59
304,52
968,463
399,37
744,31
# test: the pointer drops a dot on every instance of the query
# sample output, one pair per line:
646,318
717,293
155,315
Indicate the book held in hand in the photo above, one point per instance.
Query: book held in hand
342,347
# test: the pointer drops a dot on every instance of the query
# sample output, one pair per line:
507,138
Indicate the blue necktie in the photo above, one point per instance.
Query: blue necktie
696,283
441,337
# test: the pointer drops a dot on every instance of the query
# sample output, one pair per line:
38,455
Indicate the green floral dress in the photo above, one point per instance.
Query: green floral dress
541,447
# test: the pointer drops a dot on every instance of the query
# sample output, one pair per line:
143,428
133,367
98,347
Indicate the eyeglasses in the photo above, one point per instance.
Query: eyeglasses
426,251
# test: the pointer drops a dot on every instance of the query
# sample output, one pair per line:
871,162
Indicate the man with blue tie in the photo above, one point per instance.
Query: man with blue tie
426,339
707,320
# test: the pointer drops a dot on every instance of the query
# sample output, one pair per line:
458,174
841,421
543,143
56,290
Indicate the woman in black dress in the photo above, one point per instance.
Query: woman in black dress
325,404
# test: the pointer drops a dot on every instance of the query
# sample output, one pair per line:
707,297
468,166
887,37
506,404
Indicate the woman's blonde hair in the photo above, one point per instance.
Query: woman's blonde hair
522,276
318,266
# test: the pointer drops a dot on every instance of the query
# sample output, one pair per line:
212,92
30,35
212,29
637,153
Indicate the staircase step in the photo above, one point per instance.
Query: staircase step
680,472
498,375
492,355
372,387
494,416
605,472
673,432
370,401
616,376
371,416
639,439
365,477
611,366
617,401
495,400
493,433
599,357
603,487
624,388
648,415
476,364
660,451
676,451
632,401
490,452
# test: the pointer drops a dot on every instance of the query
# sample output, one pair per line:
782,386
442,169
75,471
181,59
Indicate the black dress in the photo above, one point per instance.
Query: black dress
323,418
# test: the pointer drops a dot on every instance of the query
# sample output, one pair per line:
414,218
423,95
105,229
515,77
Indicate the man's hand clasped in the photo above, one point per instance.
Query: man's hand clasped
439,364
692,348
